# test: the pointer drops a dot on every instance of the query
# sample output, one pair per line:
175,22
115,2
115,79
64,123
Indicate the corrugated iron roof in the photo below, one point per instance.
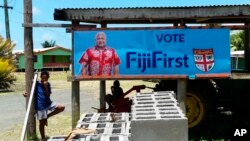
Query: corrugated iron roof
156,7
121,4
175,14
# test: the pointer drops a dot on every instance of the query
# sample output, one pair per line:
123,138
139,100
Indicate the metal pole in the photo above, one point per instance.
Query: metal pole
31,97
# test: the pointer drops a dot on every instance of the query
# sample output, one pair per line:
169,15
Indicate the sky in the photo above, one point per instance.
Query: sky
43,11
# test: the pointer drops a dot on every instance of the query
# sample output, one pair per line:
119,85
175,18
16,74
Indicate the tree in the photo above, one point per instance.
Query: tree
47,44
237,41
6,64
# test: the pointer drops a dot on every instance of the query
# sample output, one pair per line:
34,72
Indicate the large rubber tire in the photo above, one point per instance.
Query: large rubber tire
200,106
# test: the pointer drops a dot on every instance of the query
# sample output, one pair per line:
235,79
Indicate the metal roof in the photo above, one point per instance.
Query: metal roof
131,15
141,7
37,51
157,3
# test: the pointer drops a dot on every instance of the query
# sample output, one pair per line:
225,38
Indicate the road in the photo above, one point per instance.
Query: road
13,106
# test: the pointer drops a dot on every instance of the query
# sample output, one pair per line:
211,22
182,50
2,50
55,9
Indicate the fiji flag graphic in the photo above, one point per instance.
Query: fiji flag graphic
204,59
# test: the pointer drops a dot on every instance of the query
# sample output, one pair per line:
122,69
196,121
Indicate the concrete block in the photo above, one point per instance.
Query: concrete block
128,128
174,129
108,128
103,117
115,138
107,138
87,117
57,138
157,116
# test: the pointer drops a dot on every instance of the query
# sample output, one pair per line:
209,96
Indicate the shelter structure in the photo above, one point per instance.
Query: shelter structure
213,16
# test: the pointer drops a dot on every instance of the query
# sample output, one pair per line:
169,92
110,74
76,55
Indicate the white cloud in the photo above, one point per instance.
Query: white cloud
36,11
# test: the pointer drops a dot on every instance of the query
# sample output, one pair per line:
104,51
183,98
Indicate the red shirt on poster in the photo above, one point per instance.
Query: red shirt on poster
100,62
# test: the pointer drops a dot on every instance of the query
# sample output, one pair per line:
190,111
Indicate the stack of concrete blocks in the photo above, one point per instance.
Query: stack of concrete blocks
96,137
106,129
157,117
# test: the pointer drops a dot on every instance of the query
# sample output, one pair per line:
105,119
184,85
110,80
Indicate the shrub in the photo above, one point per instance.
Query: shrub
6,64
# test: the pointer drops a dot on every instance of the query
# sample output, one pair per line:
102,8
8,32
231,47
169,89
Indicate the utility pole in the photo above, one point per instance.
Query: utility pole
7,25
29,66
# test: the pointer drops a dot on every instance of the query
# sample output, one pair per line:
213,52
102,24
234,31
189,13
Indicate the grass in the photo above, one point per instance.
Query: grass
58,125
61,124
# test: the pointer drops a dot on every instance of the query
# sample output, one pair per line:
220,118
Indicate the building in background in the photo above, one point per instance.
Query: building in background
52,59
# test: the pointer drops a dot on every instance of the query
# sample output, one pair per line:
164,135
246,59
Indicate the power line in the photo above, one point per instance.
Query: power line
8,7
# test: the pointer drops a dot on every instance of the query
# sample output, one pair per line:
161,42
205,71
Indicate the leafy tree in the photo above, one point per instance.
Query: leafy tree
237,41
6,64
47,44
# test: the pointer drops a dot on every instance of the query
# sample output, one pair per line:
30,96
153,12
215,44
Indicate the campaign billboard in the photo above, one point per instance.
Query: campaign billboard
151,52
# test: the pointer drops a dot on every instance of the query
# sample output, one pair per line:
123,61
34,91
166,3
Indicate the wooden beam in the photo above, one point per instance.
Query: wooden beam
75,102
29,66
232,27
57,25
103,84
75,91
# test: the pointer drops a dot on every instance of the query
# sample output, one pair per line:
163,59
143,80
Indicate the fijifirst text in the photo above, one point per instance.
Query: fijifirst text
155,59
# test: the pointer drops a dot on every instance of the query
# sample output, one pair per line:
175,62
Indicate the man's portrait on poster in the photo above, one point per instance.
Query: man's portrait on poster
100,60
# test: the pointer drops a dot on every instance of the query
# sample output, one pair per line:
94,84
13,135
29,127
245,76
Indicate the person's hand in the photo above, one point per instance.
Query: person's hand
45,83
25,94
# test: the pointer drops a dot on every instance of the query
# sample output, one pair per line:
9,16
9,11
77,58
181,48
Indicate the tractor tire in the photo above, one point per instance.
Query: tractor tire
200,106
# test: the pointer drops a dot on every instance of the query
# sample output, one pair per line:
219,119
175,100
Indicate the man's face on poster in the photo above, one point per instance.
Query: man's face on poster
101,40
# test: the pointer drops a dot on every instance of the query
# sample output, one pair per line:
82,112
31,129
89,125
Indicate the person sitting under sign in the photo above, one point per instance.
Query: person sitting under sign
117,103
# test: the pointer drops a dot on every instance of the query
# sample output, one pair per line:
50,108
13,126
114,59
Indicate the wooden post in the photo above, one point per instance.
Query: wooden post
175,24
181,93
182,22
182,86
75,97
103,84
247,46
102,94
75,103
29,67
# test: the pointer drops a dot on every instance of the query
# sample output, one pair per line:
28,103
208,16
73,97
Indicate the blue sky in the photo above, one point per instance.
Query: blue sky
43,13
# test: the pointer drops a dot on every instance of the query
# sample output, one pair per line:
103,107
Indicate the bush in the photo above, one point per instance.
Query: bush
6,78
6,64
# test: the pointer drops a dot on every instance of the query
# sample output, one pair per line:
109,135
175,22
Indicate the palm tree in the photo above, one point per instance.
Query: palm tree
6,64
237,41
47,44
